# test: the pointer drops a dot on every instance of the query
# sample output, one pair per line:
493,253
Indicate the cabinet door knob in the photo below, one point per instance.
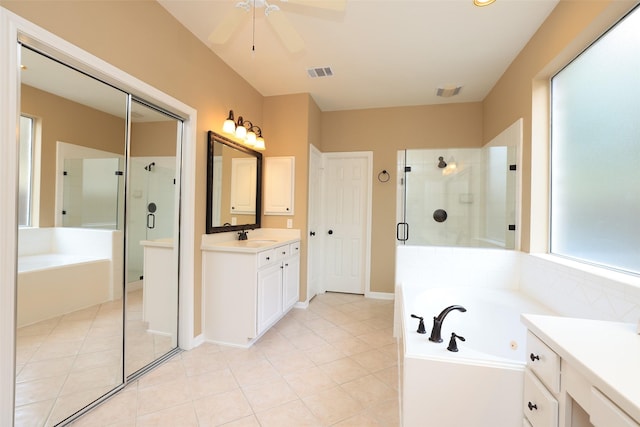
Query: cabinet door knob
534,357
268,258
312,233
532,406
330,231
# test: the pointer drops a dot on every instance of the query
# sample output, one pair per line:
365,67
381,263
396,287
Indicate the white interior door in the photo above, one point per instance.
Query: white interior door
347,219
314,242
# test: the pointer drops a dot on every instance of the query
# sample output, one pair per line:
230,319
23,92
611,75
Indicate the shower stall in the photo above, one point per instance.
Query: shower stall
457,197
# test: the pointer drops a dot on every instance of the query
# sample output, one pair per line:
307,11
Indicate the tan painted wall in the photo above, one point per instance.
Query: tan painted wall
126,35
67,121
568,30
385,131
144,40
287,123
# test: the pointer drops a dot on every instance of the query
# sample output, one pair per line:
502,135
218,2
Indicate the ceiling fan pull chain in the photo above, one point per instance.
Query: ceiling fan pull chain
253,36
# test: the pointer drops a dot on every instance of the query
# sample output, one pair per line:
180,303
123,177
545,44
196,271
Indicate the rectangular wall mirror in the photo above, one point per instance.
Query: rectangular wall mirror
234,185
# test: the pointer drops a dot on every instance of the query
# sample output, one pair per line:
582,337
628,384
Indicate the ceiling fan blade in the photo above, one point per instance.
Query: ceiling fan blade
287,34
229,24
337,5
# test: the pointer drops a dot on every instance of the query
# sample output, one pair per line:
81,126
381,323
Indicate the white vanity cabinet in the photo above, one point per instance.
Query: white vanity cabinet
581,373
248,288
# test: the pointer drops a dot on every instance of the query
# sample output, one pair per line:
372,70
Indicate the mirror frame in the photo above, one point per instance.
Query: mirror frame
213,138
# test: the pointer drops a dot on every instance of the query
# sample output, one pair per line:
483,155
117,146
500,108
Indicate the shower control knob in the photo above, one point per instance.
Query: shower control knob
534,357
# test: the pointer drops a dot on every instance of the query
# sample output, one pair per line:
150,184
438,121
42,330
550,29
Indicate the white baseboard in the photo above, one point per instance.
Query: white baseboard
380,295
302,305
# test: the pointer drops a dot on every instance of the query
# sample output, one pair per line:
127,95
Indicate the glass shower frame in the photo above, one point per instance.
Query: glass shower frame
458,197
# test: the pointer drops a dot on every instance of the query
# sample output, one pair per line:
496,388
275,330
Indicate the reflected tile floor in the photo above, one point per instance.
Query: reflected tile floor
333,364
64,363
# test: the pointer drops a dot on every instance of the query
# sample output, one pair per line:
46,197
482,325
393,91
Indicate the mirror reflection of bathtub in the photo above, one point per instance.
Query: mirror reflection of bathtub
53,267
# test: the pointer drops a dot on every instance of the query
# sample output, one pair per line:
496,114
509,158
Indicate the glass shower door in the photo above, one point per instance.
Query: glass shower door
459,197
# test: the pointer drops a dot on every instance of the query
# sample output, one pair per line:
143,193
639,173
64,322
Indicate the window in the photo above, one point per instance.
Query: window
25,180
595,152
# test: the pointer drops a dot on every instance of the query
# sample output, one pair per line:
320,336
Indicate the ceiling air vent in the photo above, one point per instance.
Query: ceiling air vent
448,91
319,72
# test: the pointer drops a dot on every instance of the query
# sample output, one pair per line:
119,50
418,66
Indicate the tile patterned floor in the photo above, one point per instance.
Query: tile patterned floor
333,364
64,363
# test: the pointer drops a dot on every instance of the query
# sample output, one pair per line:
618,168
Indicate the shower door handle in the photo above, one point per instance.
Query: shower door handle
151,221
404,226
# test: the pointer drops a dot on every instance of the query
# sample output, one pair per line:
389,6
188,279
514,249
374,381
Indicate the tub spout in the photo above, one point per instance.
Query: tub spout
437,322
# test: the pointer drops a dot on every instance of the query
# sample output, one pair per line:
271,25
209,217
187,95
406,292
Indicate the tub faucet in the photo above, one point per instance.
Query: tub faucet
437,322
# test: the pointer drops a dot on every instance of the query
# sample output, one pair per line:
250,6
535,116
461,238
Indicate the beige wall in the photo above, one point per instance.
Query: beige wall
384,131
154,139
144,40
287,123
126,35
66,121
569,29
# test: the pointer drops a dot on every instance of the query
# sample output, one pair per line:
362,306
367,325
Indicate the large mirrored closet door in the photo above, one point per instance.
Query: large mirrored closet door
99,185
69,338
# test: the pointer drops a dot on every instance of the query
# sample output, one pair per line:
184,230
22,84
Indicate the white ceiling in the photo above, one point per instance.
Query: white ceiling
383,53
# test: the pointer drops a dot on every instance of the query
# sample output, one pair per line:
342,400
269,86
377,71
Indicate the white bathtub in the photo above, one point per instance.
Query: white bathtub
482,384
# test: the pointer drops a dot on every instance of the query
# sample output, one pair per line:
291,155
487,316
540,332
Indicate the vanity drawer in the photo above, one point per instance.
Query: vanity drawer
294,248
267,257
281,251
605,413
539,406
544,362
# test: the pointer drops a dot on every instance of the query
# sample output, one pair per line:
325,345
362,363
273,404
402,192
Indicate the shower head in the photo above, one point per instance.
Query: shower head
149,166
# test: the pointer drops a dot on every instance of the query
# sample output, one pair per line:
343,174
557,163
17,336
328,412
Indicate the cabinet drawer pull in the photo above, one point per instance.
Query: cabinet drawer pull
532,406
534,357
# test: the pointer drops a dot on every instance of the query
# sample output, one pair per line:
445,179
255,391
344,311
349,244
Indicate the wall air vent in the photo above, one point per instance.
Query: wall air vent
448,91
319,72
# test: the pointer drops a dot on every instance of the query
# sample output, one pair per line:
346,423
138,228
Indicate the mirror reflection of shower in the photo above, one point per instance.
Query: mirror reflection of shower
151,207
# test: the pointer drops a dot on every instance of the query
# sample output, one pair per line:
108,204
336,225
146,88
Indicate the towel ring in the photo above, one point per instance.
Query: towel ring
384,176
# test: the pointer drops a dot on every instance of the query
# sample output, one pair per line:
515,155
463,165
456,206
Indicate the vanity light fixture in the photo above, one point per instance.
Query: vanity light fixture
242,129
482,3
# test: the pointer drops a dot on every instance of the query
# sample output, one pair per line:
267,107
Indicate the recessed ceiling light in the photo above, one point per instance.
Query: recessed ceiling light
481,3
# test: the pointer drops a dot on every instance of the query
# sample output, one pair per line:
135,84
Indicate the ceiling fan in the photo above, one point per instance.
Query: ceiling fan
276,18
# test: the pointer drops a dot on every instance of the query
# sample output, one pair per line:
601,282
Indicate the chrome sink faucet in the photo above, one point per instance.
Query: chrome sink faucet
437,322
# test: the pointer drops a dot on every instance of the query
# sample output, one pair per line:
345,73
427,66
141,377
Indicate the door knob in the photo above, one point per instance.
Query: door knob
330,231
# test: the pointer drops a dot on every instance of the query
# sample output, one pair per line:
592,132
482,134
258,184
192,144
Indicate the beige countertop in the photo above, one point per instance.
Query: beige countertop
606,353
258,240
